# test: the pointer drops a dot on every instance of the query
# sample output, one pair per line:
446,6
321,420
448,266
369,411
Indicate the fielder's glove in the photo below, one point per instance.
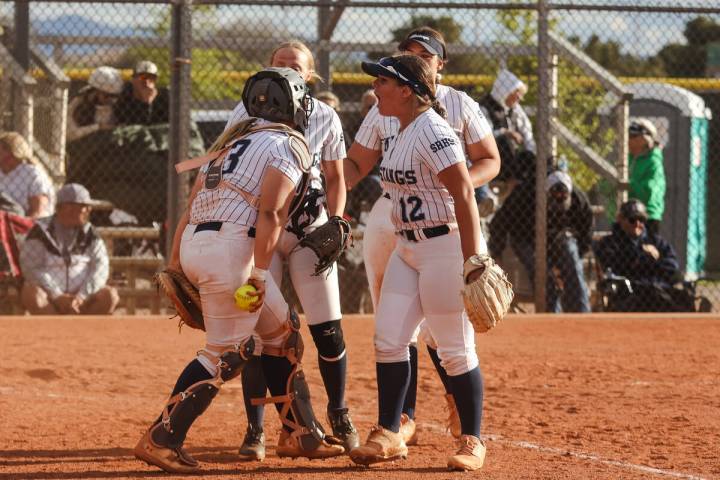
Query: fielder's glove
328,242
184,296
487,299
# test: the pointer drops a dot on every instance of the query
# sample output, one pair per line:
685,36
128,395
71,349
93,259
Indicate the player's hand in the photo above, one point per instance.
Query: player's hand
475,274
651,250
259,292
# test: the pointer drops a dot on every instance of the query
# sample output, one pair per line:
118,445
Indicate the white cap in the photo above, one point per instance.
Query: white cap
559,177
145,66
106,79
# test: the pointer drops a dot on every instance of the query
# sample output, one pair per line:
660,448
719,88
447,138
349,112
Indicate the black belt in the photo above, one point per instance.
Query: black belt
428,232
216,226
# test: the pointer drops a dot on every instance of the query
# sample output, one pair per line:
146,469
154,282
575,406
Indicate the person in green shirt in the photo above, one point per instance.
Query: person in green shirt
647,173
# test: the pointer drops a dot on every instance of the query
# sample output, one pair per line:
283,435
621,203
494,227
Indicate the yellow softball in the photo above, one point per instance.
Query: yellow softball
243,301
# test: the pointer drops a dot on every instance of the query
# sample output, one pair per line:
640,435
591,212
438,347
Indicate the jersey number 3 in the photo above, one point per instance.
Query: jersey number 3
414,204
235,155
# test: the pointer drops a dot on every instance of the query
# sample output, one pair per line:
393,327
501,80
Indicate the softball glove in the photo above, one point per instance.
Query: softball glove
328,242
184,297
487,299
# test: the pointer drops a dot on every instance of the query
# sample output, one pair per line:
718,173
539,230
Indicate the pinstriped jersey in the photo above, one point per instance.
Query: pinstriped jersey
244,167
463,115
409,170
324,135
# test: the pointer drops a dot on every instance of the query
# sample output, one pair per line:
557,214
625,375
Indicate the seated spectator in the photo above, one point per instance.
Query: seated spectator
511,126
22,179
141,101
64,261
569,234
92,109
649,262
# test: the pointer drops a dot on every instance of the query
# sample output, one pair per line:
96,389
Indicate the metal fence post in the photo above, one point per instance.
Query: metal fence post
622,112
180,91
323,54
544,146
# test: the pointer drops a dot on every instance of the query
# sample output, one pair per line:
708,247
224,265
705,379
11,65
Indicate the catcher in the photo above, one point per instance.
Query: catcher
237,210
438,226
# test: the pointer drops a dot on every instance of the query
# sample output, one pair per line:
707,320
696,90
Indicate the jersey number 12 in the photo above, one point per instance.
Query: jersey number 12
414,204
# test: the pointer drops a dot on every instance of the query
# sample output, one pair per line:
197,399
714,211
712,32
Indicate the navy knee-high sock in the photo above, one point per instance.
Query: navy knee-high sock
332,360
333,375
194,372
411,395
392,380
468,392
253,384
442,373
277,371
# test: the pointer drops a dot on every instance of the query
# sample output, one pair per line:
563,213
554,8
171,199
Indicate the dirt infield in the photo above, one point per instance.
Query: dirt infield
566,397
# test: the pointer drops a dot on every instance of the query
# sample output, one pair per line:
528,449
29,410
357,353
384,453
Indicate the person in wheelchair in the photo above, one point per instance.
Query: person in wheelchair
641,270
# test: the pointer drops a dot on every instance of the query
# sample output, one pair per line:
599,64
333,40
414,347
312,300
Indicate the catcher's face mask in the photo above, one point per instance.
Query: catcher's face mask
278,95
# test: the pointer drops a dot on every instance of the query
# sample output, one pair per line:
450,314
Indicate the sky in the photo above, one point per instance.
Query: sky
639,33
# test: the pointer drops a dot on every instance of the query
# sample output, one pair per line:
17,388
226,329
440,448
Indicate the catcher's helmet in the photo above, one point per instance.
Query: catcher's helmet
278,95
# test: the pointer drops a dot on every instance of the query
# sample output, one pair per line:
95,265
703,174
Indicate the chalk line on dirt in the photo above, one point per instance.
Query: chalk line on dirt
583,456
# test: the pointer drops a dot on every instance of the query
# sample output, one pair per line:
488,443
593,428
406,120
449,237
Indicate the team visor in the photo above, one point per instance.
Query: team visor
391,68
430,44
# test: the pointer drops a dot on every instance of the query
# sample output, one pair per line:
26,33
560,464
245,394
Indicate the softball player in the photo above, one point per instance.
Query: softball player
436,219
236,212
371,142
319,295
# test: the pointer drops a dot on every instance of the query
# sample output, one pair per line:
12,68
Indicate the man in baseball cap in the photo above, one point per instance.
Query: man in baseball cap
64,261
142,102
647,170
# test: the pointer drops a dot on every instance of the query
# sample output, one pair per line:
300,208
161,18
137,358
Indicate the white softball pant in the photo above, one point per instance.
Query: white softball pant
319,295
217,263
424,279
379,241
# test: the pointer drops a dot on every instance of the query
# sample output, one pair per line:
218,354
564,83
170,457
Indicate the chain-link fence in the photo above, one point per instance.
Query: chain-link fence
112,94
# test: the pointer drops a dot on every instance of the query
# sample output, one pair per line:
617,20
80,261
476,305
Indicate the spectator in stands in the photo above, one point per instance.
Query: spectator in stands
648,261
141,101
569,234
647,173
367,101
330,99
511,125
22,179
92,109
64,261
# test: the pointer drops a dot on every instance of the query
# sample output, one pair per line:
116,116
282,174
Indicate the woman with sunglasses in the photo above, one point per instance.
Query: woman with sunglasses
436,220
375,133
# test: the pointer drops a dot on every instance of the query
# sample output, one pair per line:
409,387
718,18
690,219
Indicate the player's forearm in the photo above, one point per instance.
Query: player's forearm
267,234
352,173
468,220
336,193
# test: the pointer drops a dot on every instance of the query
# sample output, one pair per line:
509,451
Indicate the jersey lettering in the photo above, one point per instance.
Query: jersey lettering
442,143
386,142
401,177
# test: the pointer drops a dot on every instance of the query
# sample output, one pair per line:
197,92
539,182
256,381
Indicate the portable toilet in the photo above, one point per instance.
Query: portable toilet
682,123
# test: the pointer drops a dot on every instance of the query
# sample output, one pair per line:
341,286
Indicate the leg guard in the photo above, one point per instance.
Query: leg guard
295,411
184,408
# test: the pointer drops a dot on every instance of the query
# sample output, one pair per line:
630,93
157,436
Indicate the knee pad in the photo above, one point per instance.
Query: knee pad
292,346
329,340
